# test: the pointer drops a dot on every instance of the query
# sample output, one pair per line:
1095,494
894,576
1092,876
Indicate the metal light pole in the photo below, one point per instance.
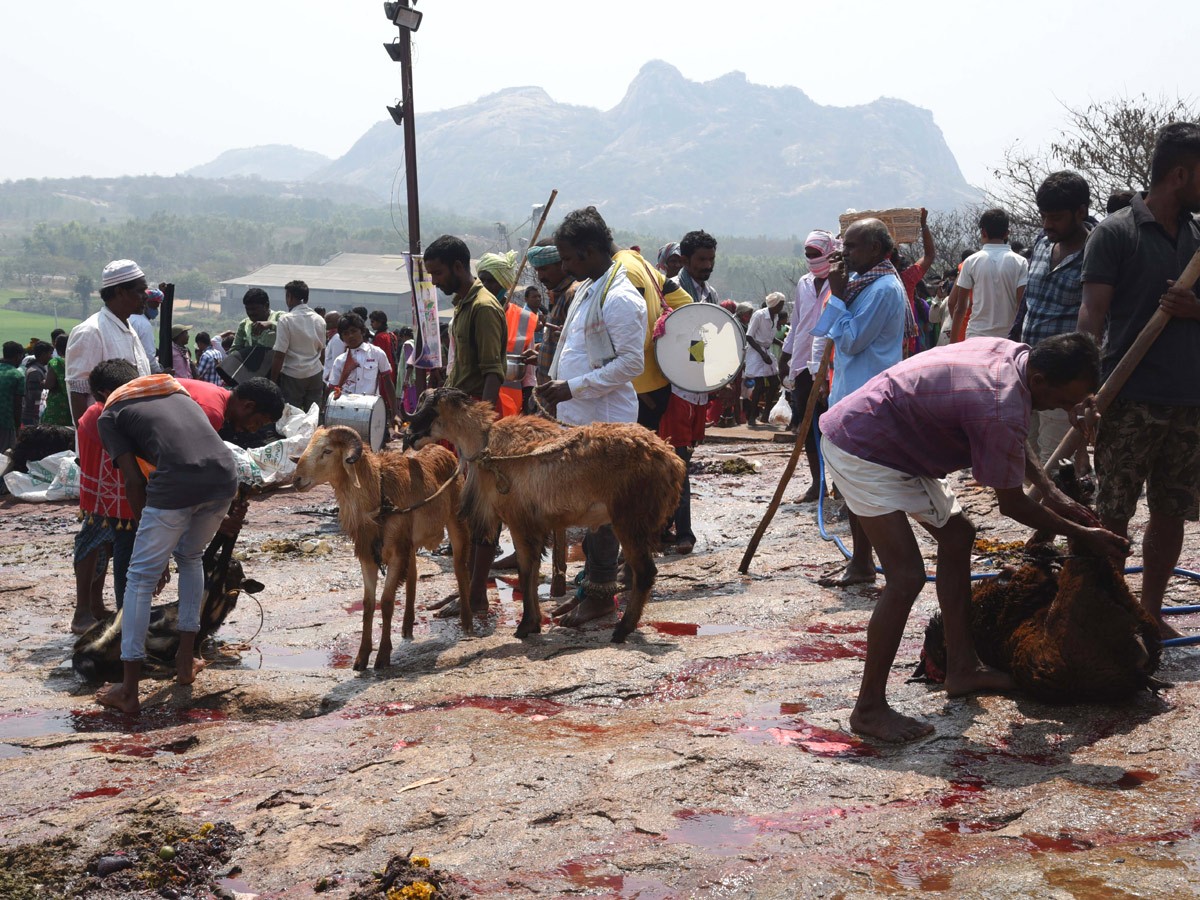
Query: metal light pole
407,20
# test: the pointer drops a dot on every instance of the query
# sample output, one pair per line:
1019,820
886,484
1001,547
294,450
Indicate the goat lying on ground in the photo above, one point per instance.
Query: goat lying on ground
1066,628
592,476
362,481
97,655
37,442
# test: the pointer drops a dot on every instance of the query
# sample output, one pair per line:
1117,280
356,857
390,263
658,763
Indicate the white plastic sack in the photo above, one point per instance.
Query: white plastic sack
781,413
272,464
54,478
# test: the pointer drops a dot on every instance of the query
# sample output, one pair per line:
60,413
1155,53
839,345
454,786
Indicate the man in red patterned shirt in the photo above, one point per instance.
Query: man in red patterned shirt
889,447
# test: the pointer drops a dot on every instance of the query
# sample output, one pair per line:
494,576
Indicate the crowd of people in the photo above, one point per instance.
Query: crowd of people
984,369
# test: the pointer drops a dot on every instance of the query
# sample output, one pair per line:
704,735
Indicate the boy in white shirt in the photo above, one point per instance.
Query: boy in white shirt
363,368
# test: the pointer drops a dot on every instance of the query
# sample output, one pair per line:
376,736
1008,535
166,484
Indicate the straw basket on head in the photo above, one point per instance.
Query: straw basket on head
904,224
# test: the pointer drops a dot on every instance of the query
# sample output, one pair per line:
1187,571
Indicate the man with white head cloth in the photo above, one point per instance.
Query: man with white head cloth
802,351
107,334
760,365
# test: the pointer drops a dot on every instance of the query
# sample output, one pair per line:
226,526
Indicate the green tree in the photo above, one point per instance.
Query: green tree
83,290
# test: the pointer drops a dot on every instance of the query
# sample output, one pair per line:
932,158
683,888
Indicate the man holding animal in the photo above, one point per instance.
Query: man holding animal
153,419
1151,433
477,367
889,447
591,377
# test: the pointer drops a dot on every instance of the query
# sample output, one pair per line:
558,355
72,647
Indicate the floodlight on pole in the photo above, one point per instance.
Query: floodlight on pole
394,51
397,113
403,15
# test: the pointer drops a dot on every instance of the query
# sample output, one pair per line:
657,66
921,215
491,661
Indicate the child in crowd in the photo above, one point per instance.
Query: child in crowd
12,394
363,368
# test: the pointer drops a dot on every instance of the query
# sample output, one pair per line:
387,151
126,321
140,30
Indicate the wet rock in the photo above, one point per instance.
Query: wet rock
106,865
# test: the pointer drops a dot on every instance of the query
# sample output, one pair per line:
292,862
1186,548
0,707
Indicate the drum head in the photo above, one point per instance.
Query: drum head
378,424
702,348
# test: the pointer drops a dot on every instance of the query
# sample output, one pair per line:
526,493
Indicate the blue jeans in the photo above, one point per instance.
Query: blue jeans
187,532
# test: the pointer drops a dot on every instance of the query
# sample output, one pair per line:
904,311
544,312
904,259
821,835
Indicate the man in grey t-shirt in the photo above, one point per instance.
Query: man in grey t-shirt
1151,433
155,421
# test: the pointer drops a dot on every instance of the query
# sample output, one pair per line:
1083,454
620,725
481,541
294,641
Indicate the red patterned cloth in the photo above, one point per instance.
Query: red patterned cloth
101,487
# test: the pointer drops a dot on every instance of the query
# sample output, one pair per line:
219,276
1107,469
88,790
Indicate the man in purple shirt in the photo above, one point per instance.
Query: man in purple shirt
889,447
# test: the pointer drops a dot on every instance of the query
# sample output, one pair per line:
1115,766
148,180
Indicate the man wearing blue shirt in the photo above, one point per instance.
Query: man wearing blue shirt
865,320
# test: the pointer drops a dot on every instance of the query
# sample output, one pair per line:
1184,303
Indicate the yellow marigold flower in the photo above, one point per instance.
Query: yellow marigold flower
421,862
418,890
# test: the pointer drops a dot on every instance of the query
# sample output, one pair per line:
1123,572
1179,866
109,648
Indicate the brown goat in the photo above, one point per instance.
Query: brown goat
384,537
587,476
1068,630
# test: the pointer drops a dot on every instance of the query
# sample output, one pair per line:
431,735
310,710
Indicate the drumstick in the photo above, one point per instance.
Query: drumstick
537,231
1133,356
790,468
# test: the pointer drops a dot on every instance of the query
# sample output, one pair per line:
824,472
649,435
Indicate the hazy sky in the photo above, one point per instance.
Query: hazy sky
153,86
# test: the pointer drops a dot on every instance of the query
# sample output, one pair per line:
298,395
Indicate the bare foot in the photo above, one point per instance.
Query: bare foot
507,562
187,670
587,609
115,696
847,577
984,680
888,725
80,624
1166,631
811,495
565,607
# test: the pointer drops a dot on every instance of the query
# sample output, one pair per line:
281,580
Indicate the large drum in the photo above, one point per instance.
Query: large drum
366,415
243,365
702,348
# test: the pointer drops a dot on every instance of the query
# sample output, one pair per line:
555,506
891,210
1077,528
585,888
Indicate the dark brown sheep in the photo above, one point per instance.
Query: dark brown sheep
1066,628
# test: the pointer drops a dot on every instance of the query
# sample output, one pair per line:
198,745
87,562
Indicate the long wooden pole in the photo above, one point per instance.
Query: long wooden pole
809,411
536,232
1133,356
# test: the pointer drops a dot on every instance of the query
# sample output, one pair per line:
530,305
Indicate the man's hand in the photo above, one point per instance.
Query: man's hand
257,328
1106,543
822,389
839,277
924,218
553,393
1085,417
530,357
1180,302
1058,502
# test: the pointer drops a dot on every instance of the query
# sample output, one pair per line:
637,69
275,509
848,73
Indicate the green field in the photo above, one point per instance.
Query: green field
21,326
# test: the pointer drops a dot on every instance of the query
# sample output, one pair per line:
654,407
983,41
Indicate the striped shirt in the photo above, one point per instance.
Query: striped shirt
948,408
207,366
1053,295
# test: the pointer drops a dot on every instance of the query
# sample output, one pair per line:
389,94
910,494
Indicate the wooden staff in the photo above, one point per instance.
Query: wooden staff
809,410
536,233
1133,356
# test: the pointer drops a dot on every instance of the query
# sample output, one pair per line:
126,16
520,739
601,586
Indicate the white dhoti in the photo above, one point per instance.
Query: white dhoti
874,490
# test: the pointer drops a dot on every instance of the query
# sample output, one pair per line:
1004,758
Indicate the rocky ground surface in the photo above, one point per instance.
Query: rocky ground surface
707,757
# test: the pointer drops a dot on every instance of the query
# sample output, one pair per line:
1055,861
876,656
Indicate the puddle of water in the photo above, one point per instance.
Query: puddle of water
235,886
98,792
729,834
686,629
1135,778
138,746
777,723
583,877
8,751
268,656
531,707
44,722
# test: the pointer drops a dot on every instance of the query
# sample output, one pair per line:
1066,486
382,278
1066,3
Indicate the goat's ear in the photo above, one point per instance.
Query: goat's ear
348,461
250,586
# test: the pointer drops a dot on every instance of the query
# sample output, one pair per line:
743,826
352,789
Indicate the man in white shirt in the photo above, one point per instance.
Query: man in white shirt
140,322
591,377
991,282
299,346
760,364
107,334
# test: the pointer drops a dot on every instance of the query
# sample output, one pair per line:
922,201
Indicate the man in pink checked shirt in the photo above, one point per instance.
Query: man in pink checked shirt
889,447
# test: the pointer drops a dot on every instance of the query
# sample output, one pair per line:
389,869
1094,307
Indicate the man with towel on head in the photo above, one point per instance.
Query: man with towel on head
497,272
107,334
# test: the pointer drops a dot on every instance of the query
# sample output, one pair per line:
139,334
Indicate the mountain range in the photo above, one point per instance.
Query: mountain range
726,155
